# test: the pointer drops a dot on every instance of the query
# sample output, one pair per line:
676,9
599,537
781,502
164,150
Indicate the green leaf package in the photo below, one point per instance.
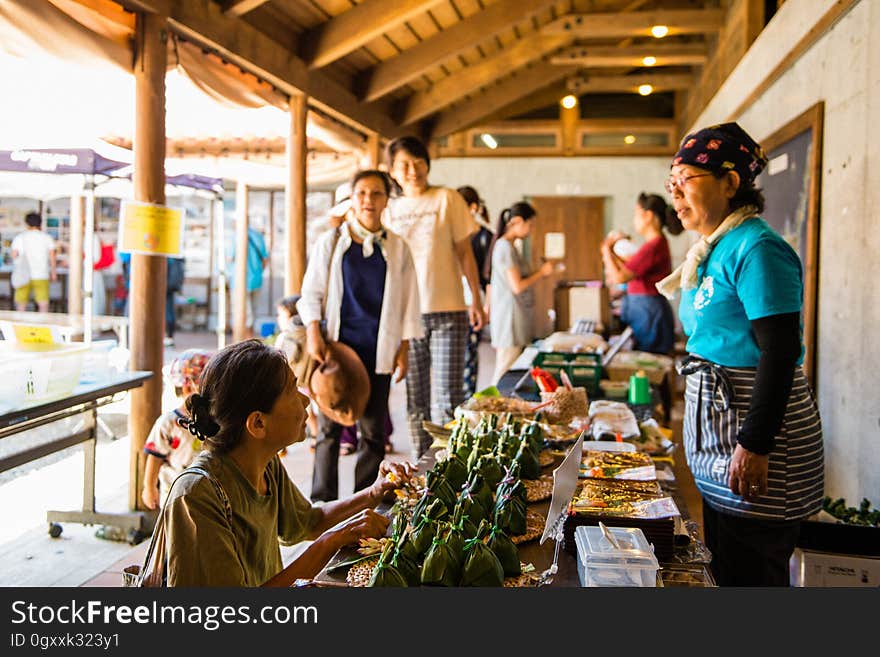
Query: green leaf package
481,566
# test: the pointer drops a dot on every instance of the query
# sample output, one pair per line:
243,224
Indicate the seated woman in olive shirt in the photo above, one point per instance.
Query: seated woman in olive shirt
222,524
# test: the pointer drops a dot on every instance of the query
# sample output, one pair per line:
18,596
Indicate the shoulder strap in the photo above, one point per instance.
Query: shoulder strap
148,577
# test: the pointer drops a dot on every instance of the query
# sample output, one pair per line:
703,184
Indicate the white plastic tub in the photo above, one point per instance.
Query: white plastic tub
50,373
602,564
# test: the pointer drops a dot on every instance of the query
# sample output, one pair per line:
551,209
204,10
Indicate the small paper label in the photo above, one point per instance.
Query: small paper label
33,335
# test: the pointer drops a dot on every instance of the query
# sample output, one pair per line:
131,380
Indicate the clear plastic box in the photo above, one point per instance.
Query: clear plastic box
602,564
50,373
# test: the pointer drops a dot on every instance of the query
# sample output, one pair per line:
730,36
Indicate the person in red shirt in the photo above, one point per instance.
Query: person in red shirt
644,308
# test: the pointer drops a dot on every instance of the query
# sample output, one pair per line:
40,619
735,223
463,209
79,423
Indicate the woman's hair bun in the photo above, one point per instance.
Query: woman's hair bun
200,422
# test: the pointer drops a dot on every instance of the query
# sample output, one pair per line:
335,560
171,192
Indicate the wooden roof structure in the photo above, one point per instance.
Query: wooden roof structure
436,67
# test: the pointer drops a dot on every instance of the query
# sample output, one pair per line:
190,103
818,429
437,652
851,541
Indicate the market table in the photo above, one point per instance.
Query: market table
691,556
71,325
84,401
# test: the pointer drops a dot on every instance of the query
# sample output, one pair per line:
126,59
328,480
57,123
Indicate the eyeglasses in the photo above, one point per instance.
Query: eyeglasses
673,182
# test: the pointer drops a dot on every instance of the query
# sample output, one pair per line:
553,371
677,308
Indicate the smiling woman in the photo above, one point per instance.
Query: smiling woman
752,431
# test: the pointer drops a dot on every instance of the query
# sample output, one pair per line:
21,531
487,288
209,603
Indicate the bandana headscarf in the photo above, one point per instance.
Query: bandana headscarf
720,148
369,238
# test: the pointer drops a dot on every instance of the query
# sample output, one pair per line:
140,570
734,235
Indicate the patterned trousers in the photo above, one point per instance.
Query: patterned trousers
471,362
436,365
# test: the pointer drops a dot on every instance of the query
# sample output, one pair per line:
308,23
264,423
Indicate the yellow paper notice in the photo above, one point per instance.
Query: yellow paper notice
33,334
151,229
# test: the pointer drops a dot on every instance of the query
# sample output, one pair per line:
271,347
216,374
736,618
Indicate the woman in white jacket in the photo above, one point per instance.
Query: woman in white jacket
360,281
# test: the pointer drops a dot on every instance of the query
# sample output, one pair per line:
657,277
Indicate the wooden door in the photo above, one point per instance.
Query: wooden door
582,220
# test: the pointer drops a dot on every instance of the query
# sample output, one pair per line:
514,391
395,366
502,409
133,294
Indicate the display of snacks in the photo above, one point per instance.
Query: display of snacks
618,465
692,575
539,489
613,496
565,404
359,574
497,405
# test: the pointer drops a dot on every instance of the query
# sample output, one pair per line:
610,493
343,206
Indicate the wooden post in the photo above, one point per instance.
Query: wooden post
569,118
240,329
295,196
373,155
147,292
270,249
75,256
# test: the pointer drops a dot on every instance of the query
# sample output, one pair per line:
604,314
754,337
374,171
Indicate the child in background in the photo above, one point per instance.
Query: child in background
170,448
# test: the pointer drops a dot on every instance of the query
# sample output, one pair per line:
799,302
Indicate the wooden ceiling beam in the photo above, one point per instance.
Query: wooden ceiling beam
204,23
515,87
241,7
629,83
362,23
402,69
666,54
636,24
448,90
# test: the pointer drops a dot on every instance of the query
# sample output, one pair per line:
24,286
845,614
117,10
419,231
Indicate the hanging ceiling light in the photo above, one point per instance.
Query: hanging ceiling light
659,31
489,140
649,60
629,139
645,89
569,101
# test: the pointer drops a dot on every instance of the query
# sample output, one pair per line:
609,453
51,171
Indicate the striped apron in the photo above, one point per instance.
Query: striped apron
716,403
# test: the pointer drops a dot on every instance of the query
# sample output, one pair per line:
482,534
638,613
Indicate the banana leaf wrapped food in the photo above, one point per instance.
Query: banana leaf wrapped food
456,472
455,539
385,574
437,489
441,567
528,461
461,519
481,566
480,491
505,550
426,530
510,514
488,466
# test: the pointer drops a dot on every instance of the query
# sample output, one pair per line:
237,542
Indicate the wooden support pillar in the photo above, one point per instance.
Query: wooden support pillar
240,329
569,118
373,153
75,255
295,196
147,292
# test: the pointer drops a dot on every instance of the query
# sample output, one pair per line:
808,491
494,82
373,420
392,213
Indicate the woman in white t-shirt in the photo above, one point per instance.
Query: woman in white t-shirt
437,226
34,252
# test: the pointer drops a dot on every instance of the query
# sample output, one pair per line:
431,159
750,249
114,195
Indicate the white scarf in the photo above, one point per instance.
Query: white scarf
368,237
685,275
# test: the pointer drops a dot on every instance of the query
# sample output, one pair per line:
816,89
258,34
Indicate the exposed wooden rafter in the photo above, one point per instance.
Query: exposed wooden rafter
624,83
468,80
635,24
203,22
241,7
351,29
508,91
666,54
397,71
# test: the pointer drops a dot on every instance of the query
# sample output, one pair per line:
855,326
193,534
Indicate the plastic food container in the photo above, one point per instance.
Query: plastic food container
46,374
602,564
96,363
13,372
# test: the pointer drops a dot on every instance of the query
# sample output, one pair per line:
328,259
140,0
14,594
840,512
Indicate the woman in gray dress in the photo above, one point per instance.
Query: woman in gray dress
512,299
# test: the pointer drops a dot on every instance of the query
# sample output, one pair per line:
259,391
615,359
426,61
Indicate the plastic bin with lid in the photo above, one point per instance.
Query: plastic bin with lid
49,373
600,564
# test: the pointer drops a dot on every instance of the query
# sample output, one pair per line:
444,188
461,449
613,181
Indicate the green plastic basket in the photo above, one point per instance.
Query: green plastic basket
583,369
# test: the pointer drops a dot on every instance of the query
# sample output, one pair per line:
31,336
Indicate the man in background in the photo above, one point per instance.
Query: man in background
33,251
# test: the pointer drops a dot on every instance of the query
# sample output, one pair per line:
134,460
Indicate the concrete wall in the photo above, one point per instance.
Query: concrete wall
503,181
842,69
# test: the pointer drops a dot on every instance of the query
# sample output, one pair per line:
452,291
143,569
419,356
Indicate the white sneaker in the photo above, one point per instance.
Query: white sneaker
168,342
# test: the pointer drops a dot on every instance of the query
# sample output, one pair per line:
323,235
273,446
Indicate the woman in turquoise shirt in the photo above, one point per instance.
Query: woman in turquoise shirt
752,433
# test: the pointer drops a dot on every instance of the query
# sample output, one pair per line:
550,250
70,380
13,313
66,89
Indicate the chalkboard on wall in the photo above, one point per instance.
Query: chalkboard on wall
792,189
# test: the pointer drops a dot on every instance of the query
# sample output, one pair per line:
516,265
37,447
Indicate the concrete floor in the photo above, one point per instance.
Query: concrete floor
79,558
